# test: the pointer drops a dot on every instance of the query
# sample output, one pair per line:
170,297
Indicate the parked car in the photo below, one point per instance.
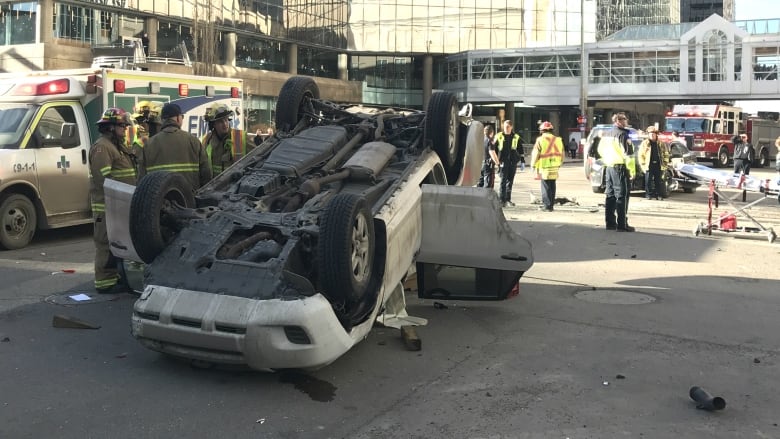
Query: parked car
594,168
287,258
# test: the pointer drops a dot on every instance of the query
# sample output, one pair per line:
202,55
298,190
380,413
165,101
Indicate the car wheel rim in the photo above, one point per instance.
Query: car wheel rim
15,222
360,249
453,132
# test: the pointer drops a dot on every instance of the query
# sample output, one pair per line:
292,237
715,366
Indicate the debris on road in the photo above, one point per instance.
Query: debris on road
61,321
620,377
439,305
411,340
705,401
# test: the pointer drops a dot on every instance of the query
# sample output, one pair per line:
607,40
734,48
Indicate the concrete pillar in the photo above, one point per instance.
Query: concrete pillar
150,26
343,66
230,48
427,79
555,120
46,15
509,113
292,59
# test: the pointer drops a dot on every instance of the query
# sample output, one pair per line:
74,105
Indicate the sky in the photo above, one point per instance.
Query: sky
756,9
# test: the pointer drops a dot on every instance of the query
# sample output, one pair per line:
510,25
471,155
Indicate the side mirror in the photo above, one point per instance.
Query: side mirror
69,134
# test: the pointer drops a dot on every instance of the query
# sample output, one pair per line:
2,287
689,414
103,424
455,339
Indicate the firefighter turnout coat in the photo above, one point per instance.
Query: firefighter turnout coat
547,156
175,150
108,160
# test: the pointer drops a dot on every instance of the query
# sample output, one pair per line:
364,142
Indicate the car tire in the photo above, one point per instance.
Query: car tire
291,105
689,190
442,131
149,231
723,158
763,158
347,249
18,220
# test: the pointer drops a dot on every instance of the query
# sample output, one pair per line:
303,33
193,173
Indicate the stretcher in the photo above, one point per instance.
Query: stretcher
719,182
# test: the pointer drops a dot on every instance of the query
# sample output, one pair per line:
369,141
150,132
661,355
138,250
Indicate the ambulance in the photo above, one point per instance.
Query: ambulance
47,124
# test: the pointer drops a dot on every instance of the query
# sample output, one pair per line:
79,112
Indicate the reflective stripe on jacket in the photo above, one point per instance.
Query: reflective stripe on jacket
500,137
547,155
613,153
108,160
177,151
644,155
219,152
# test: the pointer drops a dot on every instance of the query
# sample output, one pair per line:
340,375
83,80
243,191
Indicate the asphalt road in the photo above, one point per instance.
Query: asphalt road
607,336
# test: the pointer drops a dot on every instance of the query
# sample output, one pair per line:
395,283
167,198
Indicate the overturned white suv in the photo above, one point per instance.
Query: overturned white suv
287,258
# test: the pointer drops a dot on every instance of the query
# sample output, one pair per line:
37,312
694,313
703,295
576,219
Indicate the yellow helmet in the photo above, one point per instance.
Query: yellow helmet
142,106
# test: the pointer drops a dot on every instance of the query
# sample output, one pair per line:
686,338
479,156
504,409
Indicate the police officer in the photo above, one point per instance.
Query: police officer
175,150
617,154
546,159
653,159
109,157
509,147
218,143
744,153
488,175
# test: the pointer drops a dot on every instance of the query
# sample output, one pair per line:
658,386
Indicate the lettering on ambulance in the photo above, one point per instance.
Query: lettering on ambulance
23,167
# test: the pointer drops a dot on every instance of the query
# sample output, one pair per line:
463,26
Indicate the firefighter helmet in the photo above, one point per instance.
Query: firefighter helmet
115,116
545,126
218,111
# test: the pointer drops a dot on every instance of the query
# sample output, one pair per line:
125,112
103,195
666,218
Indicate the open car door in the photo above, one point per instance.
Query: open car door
468,250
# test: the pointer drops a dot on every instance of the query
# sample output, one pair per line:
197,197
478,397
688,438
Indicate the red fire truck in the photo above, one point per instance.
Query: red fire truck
762,133
708,131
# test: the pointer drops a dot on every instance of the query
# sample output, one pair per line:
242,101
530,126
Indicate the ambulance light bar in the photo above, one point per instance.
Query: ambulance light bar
55,87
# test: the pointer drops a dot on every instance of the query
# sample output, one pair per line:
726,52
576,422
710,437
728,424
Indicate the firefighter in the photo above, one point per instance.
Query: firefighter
509,146
175,150
653,160
617,154
218,142
109,157
546,159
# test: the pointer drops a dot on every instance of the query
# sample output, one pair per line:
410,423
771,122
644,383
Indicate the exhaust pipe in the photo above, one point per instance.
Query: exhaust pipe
705,400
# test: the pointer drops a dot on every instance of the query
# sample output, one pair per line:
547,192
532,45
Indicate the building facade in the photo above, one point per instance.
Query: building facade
614,15
524,56
693,11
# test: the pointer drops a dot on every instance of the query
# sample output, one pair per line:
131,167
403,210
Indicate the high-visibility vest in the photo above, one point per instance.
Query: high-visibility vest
550,149
612,153
500,141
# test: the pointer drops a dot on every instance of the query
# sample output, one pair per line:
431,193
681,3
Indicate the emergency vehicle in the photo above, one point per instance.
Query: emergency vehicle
47,125
762,133
707,129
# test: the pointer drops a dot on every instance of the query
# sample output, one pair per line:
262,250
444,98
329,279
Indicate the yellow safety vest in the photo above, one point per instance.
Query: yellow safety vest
612,153
550,149
500,141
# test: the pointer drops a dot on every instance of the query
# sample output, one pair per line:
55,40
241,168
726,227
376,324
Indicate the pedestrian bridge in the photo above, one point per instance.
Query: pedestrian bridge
711,60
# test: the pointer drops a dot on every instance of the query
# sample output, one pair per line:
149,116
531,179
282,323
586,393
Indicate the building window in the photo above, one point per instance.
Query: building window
766,63
692,60
74,23
714,53
17,23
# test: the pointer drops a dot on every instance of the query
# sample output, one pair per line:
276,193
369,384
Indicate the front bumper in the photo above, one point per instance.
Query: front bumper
261,334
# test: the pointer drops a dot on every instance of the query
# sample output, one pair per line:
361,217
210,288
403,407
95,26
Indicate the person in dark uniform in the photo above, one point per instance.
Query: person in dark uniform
617,154
488,175
109,157
744,153
653,159
175,150
509,146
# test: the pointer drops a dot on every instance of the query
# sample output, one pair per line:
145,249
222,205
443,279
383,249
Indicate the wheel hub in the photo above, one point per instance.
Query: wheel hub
360,247
16,222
